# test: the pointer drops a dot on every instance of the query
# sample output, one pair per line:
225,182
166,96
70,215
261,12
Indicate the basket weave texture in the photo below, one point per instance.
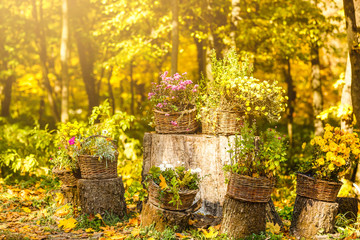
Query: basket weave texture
317,189
249,189
162,201
221,122
186,121
67,177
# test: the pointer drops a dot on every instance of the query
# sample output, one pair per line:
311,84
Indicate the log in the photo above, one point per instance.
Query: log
162,218
348,207
272,215
311,217
102,195
71,194
207,152
241,219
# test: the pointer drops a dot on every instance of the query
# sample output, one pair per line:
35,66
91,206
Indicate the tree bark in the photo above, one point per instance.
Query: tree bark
201,56
346,102
235,18
71,195
111,92
132,89
175,36
272,215
41,42
103,195
241,218
316,87
7,93
64,56
353,36
311,216
291,100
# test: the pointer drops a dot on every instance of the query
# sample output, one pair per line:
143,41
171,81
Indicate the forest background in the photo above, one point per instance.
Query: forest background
59,59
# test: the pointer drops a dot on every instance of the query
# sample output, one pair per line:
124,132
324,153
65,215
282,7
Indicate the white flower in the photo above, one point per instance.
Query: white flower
104,132
162,167
169,166
178,162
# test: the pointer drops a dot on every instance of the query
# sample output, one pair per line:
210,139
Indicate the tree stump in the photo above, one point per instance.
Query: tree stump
272,215
71,194
207,152
103,195
348,207
162,218
312,216
241,218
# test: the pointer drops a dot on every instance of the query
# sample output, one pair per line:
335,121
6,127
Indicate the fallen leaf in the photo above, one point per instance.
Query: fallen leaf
181,236
135,232
67,224
211,233
192,222
26,209
64,210
118,237
88,230
98,216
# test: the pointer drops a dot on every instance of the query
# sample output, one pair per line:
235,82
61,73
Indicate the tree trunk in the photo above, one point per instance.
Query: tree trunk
209,153
103,195
241,219
7,93
111,92
41,42
201,56
310,217
175,36
291,100
64,56
272,215
347,121
132,89
71,195
348,207
353,36
235,18
316,87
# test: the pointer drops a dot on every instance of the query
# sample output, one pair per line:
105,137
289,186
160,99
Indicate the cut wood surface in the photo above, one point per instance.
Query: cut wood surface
103,195
207,152
241,219
311,217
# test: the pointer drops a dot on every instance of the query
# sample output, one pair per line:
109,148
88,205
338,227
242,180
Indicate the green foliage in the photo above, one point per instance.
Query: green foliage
256,156
286,212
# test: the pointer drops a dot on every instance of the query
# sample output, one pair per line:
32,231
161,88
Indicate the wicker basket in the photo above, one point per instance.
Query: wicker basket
249,189
92,168
67,177
162,201
221,122
317,189
186,121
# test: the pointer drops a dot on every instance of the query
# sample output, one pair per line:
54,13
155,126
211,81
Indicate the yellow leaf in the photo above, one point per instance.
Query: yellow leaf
88,230
26,209
211,233
67,224
191,222
179,235
275,229
98,216
118,237
64,210
151,238
135,232
163,184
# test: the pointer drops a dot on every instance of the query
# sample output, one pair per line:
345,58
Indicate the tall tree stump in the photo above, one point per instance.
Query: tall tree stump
71,194
311,217
241,218
162,218
207,152
103,195
272,215
348,207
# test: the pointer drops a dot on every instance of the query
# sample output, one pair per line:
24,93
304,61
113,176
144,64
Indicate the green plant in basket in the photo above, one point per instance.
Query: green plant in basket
332,154
173,180
256,154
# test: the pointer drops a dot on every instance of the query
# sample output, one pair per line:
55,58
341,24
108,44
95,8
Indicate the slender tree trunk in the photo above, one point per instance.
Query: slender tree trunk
346,102
352,13
41,42
132,89
235,17
175,36
201,56
64,56
110,89
7,93
316,88
291,100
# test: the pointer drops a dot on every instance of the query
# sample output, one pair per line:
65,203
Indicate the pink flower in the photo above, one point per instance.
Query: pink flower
164,74
150,95
72,141
166,114
174,123
159,105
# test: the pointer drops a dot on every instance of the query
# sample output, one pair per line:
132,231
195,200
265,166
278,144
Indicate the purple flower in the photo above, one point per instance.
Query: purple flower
174,123
279,138
72,141
159,105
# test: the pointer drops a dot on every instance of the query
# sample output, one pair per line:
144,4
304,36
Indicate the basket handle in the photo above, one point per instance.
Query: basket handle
94,136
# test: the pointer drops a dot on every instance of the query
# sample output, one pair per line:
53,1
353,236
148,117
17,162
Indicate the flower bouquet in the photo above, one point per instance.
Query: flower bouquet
173,188
173,102
254,163
332,155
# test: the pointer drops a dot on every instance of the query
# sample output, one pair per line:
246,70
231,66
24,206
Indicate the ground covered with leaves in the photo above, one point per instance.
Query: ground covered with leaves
35,209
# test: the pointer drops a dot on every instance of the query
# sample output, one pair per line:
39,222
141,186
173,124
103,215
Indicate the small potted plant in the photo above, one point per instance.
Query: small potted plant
173,102
173,188
331,156
233,96
254,162
65,168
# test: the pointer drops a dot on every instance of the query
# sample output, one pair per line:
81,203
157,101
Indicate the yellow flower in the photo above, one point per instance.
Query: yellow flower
320,161
248,109
303,145
247,103
328,135
331,167
330,156
256,108
325,148
333,146
263,108
328,127
312,142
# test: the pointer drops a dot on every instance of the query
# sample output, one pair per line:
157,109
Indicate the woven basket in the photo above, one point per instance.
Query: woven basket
67,177
162,201
317,189
186,121
92,168
249,189
221,122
